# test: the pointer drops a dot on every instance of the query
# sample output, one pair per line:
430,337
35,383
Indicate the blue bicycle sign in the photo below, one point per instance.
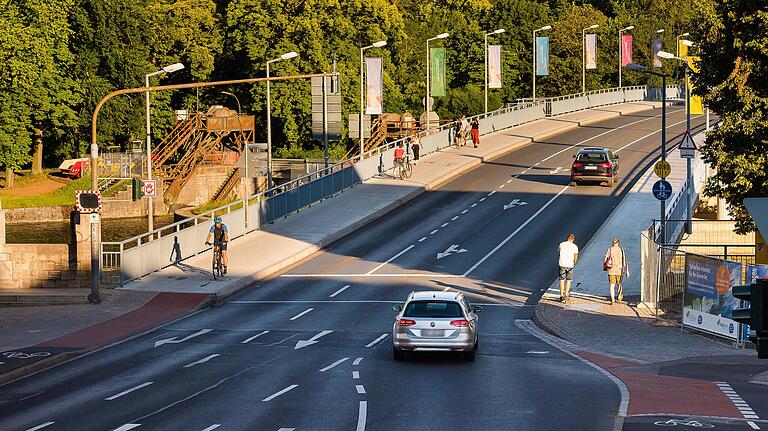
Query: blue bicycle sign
662,190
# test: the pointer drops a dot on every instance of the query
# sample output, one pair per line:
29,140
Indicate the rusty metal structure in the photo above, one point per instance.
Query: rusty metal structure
387,128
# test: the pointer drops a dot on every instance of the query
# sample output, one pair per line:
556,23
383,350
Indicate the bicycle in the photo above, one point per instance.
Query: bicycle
461,138
404,169
684,422
216,264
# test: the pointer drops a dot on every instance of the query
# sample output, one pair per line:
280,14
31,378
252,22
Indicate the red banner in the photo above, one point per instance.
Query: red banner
626,50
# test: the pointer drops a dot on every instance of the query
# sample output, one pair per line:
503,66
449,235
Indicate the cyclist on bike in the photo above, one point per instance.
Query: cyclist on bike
220,235
399,155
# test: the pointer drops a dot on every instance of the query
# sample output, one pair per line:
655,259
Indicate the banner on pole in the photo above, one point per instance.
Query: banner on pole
697,105
494,66
626,50
656,48
438,71
682,49
542,55
591,51
374,74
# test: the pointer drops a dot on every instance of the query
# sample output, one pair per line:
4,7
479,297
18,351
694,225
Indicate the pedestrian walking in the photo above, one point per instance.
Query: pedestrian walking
569,254
415,147
615,264
475,124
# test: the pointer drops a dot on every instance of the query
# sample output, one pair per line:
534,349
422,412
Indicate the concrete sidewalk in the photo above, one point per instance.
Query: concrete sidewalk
300,235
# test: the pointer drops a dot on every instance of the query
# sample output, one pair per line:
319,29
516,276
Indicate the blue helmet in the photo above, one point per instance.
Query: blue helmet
217,220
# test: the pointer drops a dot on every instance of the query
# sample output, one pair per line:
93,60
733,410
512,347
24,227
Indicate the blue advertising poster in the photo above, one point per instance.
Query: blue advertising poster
709,300
542,55
756,271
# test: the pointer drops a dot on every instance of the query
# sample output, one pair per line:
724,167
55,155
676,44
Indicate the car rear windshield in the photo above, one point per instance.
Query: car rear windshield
433,309
591,157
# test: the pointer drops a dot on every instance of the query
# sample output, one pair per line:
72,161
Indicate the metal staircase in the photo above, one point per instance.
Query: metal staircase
228,185
179,136
378,137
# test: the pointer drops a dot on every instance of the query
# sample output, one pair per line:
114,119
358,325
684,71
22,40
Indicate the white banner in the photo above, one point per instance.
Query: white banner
374,73
494,66
710,323
590,45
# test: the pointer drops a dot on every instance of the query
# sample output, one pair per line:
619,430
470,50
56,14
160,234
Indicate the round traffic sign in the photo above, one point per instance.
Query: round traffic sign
662,169
662,190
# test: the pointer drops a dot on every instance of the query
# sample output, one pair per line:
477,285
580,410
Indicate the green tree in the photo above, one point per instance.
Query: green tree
733,80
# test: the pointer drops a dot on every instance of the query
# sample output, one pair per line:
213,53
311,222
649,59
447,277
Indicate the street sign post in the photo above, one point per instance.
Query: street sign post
688,147
662,168
662,190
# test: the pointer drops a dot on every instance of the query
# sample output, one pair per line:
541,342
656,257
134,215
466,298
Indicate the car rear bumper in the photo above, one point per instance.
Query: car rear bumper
403,341
598,177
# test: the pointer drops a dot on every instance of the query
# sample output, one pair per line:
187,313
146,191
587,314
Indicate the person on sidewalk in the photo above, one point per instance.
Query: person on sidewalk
569,254
415,147
475,125
399,158
615,263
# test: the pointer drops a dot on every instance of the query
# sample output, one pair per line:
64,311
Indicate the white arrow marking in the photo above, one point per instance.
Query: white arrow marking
558,169
311,341
515,203
450,250
175,341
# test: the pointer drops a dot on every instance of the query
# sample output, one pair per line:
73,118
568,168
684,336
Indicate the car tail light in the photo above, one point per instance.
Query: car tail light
406,322
577,165
459,323
605,165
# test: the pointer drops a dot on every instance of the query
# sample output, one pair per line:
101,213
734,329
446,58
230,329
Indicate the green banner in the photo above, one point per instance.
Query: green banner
437,88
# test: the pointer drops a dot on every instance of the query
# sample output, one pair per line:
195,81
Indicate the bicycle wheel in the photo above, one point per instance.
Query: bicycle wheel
408,168
401,171
216,265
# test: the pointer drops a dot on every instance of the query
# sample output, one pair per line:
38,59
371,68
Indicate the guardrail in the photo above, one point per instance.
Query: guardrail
146,253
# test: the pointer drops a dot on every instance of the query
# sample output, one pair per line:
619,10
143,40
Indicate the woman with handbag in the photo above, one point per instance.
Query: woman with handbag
615,264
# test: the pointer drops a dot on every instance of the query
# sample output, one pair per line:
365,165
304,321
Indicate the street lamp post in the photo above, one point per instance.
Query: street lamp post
427,103
546,27
584,57
485,98
677,42
621,48
378,44
286,56
150,204
643,69
246,153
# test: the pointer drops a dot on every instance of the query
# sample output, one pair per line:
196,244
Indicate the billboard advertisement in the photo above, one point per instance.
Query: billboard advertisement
709,300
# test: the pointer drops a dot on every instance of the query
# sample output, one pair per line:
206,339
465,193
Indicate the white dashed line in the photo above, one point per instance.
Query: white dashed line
286,429
248,340
128,391
509,181
482,199
205,359
454,218
340,361
357,361
361,415
422,239
433,232
444,225
473,205
491,193
301,314
405,250
41,426
374,342
502,186
360,389
446,289
333,295
278,393
464,212
127,427
355,374
214,426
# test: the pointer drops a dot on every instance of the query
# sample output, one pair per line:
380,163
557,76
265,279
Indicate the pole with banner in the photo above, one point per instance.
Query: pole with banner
657,46
374,76
438,72
542,60
494,66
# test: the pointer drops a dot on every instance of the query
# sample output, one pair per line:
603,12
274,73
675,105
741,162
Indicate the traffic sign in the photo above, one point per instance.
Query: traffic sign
687,154
88,201
662,190
150,188
662,169
687,143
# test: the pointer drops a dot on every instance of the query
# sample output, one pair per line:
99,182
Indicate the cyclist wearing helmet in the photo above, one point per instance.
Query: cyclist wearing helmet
220,237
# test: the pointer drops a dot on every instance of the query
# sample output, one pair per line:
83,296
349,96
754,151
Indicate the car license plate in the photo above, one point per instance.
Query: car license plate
432,333
590,168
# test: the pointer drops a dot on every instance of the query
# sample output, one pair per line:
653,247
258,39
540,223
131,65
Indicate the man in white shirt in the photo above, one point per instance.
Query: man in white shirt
569,254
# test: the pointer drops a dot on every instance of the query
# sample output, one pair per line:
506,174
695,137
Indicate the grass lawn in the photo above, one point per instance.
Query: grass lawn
59,197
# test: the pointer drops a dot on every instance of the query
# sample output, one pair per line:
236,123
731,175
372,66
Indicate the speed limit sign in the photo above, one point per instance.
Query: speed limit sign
150,188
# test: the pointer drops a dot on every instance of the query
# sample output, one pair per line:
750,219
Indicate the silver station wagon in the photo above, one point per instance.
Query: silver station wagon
435,321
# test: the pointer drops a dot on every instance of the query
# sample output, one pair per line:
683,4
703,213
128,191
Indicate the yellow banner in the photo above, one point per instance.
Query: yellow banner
697,105
682,49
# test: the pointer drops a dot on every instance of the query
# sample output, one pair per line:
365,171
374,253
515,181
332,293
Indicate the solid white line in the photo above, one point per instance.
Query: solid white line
358,301
301,314
464,212
322,370
206,359
128,391
422,239
651,134
41,426
510,236
360,389
374,342
127,427
433,232
283,429
214,426
444,225
405,250
355,374
361,414
248,340
278,393
372,275
473,205
333,295
357,361
753,425
454,218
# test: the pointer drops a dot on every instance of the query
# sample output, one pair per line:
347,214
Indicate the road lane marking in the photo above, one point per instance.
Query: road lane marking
374,342
405,250
537,352
502,186
214,426
444,225
464,212
651,134
360,301
206,359
360,389
340,361
128,391
482,199
509,181
333,295
311,341
473,205
278,393
301,314
742,406
422,239
283,340
127,427
248,340
753,425
361,415
355,374
433,232
357,361
415,274
446,289
286,429
188,337
491,193
510,236
41,426
454,218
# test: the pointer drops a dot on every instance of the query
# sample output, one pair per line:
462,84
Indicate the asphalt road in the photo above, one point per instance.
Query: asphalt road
311,349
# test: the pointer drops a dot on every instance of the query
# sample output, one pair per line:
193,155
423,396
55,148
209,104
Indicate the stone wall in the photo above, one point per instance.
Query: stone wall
111,209
202,184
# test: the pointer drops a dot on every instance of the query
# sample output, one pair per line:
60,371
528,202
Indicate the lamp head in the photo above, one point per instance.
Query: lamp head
594,26
665,54
442,35
289,55
687,43
173,68
379,44
631,27
546,27
685,34
499,31
661,30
